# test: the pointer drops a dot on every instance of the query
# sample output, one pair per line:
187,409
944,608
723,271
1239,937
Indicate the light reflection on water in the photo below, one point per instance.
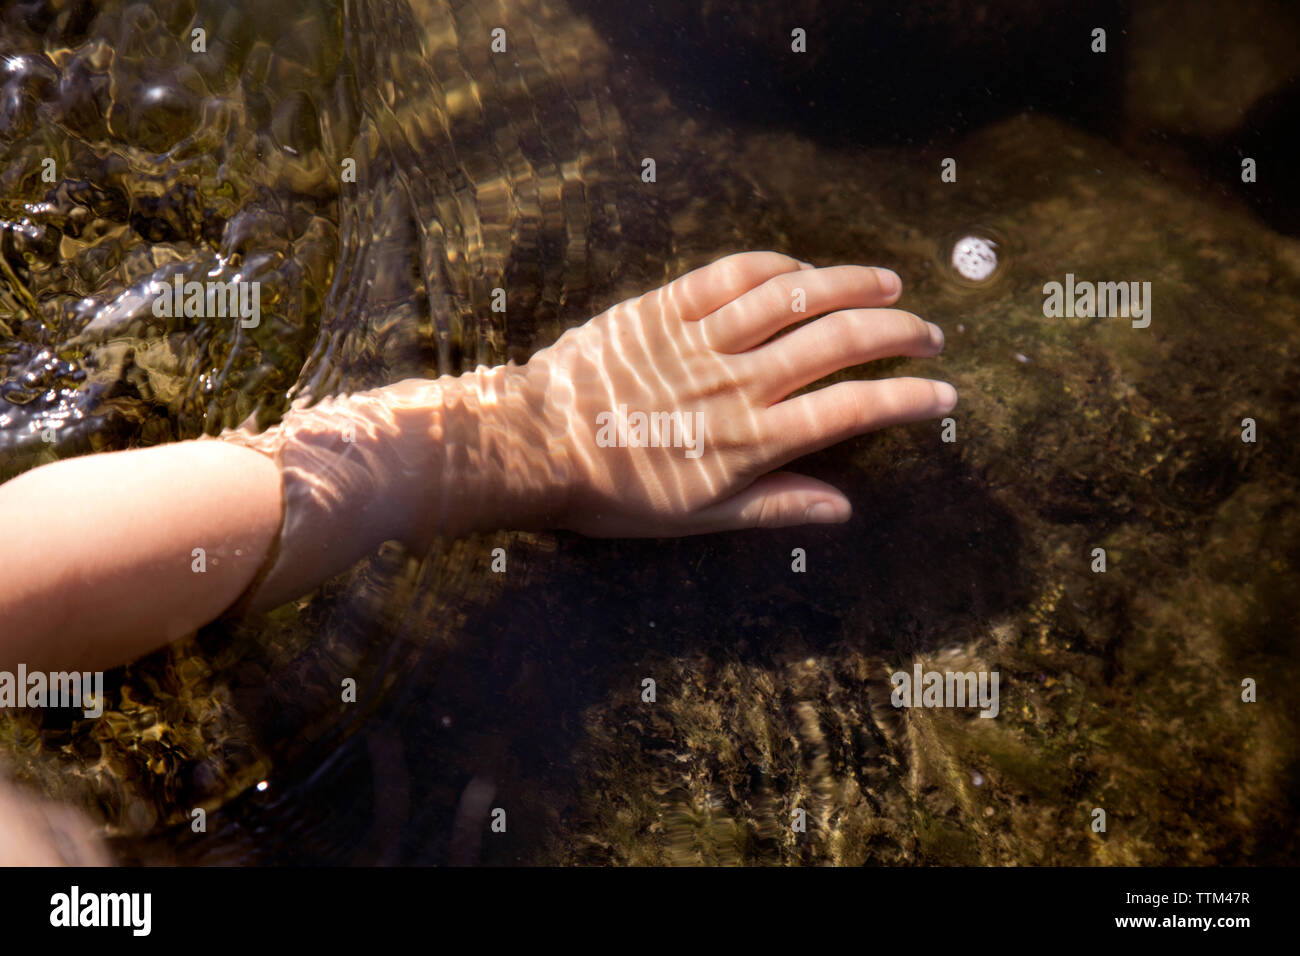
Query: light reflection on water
1120,690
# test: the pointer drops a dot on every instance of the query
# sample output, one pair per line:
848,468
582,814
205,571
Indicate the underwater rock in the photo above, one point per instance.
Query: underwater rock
844,71
773,689
1200,68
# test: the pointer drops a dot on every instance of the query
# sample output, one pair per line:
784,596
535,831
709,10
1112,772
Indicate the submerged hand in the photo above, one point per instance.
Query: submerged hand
671,408
582,437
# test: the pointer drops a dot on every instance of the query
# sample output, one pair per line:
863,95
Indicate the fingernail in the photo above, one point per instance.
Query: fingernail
821,513
806,265
946,395
890,283
936,335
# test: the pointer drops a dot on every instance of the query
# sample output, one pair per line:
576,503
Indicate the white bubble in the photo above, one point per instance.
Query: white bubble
975,258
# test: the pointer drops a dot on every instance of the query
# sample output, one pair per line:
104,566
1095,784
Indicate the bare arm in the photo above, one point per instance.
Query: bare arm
97,553
98,563
107,557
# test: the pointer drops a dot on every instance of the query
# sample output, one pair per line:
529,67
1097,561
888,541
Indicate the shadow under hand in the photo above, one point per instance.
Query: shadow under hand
929,559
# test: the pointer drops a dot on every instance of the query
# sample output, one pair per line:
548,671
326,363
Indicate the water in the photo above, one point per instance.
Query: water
1119,690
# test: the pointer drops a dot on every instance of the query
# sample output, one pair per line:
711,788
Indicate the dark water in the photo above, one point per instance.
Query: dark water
1119,690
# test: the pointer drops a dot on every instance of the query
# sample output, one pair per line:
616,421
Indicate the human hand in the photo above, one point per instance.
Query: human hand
671,409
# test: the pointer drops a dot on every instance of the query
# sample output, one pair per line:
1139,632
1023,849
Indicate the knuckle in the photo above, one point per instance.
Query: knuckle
748,266
859,406
914,328
777,291
859,331
769,512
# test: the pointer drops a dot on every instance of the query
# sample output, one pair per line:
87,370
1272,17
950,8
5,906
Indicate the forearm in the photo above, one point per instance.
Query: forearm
413,461
107,557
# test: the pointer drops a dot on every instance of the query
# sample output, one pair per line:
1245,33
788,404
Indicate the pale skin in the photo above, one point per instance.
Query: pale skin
98,561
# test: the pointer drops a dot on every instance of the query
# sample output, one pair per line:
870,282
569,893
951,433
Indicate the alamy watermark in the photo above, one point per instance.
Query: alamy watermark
1089,300
619,429
235,299
54,689
130,910
946,689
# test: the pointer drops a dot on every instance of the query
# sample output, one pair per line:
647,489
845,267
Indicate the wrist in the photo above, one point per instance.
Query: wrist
489,456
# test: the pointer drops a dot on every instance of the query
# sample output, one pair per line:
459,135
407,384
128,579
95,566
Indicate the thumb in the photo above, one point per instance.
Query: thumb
778,500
